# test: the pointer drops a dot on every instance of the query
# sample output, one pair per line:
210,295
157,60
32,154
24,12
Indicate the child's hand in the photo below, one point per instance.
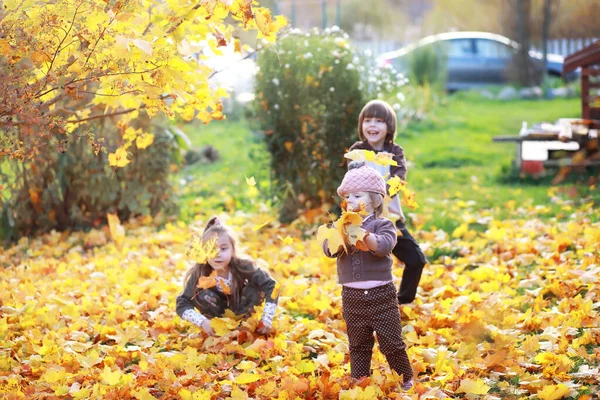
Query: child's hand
207,328
264,328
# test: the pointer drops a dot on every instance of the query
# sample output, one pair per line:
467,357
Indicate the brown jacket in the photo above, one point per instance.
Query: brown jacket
361,265
392,148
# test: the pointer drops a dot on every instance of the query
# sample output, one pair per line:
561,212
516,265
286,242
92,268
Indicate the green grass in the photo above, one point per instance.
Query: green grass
452,158
222,185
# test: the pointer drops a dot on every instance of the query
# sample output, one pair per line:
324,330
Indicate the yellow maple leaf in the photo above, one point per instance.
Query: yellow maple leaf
287,240
238,394
111,378
144,140
360,155
554,392
206,282
383,158
356,236
223,326
199,250
247,377
118,158
396,185
54,375
333,237
473,386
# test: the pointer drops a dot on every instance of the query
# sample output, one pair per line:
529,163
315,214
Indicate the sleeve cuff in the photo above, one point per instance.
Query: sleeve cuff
194,317
269,313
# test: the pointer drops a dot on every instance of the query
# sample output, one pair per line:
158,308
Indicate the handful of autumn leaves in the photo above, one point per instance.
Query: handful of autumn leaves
347,228
200,251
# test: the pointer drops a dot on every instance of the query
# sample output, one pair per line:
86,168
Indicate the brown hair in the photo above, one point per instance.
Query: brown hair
378,109
241,268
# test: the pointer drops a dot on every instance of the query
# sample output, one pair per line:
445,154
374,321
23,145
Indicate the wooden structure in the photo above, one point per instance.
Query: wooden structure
585,153
588,59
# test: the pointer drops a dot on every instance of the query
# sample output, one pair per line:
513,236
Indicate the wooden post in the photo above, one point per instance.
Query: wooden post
585,92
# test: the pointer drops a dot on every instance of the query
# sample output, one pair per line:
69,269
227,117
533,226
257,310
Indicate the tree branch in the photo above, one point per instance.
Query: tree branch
60,45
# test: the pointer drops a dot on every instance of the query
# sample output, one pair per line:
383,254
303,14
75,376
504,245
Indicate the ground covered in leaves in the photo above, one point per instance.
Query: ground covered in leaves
507,309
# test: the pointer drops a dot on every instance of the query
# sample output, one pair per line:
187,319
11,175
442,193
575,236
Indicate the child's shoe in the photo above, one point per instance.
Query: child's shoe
407,385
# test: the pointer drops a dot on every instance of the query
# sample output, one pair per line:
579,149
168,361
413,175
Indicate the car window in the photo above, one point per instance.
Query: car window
492,49
461,48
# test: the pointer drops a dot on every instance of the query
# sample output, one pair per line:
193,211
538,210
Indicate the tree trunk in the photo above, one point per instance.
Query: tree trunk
523,33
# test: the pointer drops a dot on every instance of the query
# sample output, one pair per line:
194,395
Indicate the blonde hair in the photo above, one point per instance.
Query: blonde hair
378,109
241,268
377,203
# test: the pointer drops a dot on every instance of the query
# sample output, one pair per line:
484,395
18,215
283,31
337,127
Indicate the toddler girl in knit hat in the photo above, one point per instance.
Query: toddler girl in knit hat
369,302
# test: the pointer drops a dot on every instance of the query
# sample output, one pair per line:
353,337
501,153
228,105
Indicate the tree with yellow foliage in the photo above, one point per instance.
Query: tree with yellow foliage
65,63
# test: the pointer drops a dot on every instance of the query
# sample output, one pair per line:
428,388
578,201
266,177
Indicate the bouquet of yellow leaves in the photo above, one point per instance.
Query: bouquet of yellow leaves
347,229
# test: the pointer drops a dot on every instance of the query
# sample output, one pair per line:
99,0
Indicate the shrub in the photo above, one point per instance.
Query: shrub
427,66
307,102
71,187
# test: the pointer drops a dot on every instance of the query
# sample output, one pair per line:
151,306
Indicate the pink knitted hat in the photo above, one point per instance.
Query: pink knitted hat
361,178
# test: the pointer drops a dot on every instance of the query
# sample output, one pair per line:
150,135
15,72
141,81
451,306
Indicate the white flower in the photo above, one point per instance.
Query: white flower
396,106
332,89
368,53
296,31
276,106
335,28
306,43
287,66
275,81
308,55
327,31
380,95
350,66
337,61
400,97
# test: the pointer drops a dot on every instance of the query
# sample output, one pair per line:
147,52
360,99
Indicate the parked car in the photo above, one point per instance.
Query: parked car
474,59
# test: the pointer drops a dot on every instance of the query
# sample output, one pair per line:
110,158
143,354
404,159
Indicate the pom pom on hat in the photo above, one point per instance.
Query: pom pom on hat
361,178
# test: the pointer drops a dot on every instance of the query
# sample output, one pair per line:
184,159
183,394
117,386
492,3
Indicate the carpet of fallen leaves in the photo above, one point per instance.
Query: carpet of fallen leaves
506,309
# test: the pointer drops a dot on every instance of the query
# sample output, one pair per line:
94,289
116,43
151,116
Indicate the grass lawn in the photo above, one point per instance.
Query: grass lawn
454,166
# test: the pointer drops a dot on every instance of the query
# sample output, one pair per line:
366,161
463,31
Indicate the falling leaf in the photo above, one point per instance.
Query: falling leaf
117,232
251,181
260,226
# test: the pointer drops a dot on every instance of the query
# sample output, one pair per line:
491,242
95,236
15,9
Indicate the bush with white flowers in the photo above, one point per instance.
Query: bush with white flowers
308,97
